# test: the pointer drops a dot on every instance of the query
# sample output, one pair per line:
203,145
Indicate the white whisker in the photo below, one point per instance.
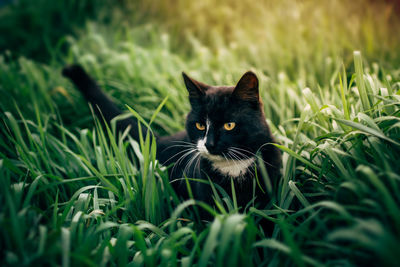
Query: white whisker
189,163
184,145
179,153
238,149
232,154
182,158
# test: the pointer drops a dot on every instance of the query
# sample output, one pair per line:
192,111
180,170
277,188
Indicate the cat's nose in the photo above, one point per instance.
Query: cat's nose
210,145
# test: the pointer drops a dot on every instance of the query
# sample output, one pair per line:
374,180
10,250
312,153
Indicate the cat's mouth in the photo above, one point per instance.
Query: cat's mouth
202,149
212,157
218,158
228,166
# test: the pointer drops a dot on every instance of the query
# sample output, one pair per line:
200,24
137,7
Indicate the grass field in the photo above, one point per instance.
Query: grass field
330,83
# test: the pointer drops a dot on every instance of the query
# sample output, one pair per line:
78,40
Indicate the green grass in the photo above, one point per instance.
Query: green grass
70,195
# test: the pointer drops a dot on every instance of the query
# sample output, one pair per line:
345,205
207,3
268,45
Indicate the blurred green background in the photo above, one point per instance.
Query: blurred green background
70,196
132,42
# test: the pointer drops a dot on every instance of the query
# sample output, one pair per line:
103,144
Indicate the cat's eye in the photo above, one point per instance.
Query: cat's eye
229,126
200,126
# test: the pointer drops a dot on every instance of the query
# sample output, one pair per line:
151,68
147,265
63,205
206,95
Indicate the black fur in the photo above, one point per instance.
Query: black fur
239,104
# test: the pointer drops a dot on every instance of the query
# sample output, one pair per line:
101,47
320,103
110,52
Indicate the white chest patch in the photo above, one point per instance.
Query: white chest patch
233,168
228,167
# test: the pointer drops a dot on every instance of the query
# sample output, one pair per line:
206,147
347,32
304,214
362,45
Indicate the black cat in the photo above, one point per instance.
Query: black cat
225,129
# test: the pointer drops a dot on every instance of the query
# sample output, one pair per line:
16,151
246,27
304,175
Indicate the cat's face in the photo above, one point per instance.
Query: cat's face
226,122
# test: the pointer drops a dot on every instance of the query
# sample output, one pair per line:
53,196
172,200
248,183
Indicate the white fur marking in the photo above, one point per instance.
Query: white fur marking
208,123
227,167
233,168
201,144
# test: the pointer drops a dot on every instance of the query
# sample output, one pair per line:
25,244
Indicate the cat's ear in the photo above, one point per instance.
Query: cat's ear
196,89
247,87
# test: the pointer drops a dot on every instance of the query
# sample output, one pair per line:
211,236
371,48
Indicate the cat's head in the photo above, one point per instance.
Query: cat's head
226,122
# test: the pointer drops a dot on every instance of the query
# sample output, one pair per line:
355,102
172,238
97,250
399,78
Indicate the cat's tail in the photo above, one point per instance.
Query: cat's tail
101,103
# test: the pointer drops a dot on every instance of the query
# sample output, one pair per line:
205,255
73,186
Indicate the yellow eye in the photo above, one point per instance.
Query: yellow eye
229,126
200,126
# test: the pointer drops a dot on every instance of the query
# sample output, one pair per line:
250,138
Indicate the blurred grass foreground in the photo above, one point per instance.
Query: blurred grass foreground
330,81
